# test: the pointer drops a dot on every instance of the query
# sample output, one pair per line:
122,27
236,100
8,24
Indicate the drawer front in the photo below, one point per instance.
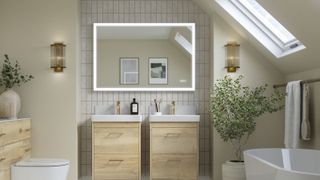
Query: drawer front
116,166
116,140
13,153
5,174
14,131
174,167
174,140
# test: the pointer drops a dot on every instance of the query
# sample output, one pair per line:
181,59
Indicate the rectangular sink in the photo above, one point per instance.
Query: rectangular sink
174,118
117,118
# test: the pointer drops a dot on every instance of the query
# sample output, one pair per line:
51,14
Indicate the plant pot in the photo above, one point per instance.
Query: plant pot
9,104
233,170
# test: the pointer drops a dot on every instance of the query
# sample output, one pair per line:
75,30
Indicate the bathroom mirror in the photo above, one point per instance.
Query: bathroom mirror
144,57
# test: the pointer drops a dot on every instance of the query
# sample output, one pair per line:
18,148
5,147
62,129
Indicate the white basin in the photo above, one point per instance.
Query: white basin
174,118
116,118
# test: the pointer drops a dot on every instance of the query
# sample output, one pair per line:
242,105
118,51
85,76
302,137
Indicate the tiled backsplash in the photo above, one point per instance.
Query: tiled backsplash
145,11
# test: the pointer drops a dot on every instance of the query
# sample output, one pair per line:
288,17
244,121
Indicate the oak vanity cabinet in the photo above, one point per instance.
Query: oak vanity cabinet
15,144
173,151
116,150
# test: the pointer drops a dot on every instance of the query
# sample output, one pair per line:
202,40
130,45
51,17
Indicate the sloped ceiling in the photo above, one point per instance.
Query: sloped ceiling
300,17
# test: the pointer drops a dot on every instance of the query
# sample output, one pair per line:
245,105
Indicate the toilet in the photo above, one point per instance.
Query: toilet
40,169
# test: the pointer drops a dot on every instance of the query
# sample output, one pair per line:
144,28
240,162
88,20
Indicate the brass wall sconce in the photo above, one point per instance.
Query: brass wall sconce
58,54
232,56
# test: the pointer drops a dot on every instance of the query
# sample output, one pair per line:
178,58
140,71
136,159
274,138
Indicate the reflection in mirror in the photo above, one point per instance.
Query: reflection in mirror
144,57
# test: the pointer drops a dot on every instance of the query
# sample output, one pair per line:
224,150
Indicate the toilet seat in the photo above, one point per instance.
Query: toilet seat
42,163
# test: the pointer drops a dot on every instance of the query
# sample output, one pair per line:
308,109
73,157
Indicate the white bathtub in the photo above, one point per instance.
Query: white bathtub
282,164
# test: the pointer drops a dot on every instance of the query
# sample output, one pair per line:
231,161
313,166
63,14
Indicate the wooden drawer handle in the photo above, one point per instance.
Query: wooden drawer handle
114,135
114,162
20,130
27,150
27,130
173,135
2,159
2,134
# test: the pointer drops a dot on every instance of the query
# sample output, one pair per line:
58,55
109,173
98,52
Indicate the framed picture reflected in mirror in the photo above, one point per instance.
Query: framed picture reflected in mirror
129,70
158,70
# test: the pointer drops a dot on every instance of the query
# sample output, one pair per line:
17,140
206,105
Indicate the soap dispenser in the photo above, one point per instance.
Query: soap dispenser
134,107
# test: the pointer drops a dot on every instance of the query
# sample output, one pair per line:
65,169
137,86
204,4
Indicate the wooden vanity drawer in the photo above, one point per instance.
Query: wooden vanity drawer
116,167
13,131
14,152
174,167
5,174
116,140
174,140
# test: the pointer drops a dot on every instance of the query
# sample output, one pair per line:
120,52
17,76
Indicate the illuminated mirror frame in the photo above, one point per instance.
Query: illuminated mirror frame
193,61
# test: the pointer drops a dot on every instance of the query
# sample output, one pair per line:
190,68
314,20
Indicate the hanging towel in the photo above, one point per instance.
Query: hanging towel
292,114
305,124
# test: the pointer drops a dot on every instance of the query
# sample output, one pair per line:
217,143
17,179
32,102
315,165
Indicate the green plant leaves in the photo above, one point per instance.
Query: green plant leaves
11,75
235,108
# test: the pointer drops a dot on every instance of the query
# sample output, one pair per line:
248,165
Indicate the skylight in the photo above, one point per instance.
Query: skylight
263,26
183,42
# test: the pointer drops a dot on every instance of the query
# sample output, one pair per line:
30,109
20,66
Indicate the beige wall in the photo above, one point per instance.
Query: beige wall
27,30
109,52
314,143
257,71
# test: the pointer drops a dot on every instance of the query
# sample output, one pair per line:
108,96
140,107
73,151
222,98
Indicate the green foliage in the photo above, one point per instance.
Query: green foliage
11,75
235,108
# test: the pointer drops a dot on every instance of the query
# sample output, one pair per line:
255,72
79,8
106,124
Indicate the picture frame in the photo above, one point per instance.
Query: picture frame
129,70
158,70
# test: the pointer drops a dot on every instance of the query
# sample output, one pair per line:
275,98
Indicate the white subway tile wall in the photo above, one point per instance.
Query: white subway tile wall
145,11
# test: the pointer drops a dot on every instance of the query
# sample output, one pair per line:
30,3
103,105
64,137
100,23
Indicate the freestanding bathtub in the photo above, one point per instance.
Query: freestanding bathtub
282,164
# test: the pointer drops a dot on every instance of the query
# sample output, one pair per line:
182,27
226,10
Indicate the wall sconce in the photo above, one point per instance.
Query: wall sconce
232,56
58,61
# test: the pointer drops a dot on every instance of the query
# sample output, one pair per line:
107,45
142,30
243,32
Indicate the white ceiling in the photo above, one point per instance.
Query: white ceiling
299,17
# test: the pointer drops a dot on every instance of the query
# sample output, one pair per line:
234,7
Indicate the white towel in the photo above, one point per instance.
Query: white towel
292,114
305,124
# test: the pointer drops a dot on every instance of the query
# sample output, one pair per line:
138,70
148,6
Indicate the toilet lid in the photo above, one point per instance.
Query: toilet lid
42,163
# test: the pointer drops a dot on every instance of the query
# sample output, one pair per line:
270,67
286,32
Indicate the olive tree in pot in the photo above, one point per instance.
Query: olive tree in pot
234,109
9,99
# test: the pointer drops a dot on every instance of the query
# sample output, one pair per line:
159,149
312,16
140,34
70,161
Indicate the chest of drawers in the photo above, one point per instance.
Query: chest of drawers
15,144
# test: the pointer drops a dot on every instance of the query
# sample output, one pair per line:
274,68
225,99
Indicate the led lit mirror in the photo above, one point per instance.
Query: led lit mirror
144,57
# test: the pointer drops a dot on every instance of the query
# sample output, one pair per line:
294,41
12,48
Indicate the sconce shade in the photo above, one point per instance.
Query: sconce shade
232,56
58,61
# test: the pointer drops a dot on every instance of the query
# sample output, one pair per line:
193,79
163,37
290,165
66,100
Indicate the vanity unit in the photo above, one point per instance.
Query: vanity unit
116,142
174,147
15,144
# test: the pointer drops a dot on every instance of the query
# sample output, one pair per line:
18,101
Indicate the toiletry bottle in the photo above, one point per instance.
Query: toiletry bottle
118,108
173,108
134,107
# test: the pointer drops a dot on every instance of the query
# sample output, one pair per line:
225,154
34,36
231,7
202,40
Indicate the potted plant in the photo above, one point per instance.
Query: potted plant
234,109
11,77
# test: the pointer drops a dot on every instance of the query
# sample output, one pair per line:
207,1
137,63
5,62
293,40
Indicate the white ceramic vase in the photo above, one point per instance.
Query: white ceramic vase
233,171
9,104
